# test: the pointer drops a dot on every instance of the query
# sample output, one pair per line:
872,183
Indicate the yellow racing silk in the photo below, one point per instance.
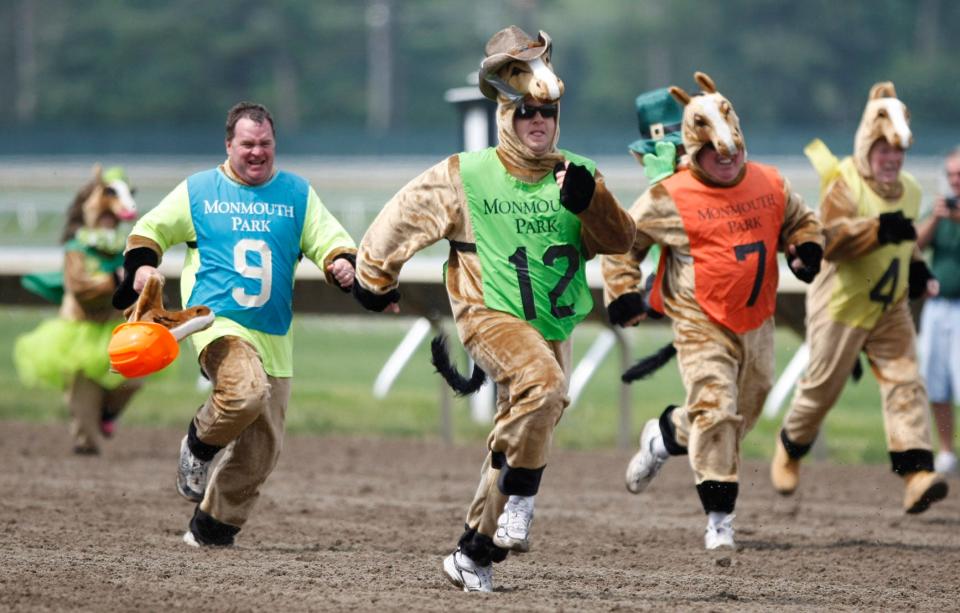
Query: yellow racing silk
867,286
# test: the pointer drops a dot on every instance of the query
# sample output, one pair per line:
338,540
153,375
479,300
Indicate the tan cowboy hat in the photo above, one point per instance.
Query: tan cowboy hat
507,45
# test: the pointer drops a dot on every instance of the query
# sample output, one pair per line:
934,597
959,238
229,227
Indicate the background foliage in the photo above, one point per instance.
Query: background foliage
153,72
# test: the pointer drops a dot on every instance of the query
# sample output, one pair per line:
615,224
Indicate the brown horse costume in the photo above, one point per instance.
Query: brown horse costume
717,282
859,303
530,371
70,351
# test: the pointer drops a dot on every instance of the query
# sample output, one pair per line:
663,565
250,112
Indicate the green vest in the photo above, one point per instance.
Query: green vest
529,247
946,258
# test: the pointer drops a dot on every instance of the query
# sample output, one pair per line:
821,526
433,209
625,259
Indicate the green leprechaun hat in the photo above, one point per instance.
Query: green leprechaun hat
659,116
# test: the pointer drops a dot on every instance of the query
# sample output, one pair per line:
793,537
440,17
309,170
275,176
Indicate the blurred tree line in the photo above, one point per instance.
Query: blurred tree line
370,69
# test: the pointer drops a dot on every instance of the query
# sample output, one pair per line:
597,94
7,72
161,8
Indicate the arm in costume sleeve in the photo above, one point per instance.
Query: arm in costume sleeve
89,288
424,211
604,226
800,224
848,236
621,272
323,239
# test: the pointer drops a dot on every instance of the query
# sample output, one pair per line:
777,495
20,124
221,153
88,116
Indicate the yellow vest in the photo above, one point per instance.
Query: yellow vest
867,286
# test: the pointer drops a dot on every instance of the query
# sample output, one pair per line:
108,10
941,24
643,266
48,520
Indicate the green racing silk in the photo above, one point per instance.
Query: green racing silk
529,246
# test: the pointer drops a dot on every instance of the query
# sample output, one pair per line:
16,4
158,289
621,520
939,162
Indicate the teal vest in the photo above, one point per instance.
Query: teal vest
531,255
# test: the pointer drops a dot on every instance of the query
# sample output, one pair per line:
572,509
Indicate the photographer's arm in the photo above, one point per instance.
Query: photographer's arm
928,227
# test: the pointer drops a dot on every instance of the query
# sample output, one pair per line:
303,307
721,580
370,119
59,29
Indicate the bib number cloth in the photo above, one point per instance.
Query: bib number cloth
868,285
248,241
733,233
531,255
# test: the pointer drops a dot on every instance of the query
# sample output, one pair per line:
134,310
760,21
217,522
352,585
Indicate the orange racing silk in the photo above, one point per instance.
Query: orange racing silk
733,232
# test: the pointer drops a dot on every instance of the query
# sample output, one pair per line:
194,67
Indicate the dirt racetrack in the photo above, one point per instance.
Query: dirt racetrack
361,524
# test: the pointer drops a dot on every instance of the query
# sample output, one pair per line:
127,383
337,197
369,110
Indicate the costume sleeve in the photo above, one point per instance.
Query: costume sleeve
323,238
90,288
848,236
604,226
657,222
165,225
800,224
425,210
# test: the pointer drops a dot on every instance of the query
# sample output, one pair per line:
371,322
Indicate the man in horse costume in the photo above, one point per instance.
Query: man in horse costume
719,222
246,226
859,302
70,352
521,218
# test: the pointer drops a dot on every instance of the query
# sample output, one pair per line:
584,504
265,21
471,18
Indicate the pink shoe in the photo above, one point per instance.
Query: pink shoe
108,427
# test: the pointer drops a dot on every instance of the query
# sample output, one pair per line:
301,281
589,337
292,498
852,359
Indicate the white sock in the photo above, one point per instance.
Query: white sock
715,518
658,448
521,501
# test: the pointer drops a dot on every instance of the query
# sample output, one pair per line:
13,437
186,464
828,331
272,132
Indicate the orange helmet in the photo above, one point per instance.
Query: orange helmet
140,348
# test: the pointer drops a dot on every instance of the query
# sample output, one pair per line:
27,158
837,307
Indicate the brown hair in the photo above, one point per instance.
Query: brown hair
251,110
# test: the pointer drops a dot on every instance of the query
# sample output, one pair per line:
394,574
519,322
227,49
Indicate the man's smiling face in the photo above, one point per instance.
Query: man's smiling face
251,151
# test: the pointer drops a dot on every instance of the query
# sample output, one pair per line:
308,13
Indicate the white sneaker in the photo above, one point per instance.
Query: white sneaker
191,474
719,535
646,463
513,525
945,462
191,540
465,573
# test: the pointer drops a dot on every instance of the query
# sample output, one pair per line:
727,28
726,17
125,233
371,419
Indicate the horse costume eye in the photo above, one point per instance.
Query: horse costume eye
516,71
881,113
699,121
109,191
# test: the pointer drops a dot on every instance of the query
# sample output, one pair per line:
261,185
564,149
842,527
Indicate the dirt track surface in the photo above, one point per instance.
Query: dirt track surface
359,524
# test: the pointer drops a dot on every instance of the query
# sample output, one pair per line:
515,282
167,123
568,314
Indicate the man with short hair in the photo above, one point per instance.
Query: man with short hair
246,226
521,218
939,339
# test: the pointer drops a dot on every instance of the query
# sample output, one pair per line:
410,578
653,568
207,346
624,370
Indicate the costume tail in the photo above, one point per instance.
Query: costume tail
650,364
857,373
440,359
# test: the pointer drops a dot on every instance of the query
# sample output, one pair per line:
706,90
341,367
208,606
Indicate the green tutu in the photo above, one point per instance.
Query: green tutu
53,353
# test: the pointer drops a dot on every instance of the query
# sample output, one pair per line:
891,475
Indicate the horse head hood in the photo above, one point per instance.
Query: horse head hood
884,118
516,66
708,119
108,193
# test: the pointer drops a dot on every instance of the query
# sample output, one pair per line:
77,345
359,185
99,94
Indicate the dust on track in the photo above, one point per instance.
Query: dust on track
363,524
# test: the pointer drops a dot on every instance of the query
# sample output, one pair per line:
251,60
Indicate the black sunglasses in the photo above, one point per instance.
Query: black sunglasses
547,111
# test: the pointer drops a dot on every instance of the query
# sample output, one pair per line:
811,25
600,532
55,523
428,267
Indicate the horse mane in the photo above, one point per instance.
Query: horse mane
75,211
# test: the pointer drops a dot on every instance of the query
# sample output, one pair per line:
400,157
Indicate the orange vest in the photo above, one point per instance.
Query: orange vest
734,234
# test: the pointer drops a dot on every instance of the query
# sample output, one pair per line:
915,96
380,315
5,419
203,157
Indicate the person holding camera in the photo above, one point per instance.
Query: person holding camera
939,340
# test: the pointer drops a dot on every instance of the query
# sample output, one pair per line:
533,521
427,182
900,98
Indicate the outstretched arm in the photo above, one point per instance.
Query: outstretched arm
424,211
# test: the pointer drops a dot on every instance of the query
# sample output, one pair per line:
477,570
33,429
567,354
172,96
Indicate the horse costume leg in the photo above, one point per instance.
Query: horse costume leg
85,400
530,373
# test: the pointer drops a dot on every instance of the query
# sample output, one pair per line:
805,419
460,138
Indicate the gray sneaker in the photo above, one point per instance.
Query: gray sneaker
191,474
513,525
646,463
466,574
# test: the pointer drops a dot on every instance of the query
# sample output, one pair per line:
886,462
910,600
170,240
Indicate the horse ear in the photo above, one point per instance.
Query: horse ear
98,173
884,89
681,96
705,82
